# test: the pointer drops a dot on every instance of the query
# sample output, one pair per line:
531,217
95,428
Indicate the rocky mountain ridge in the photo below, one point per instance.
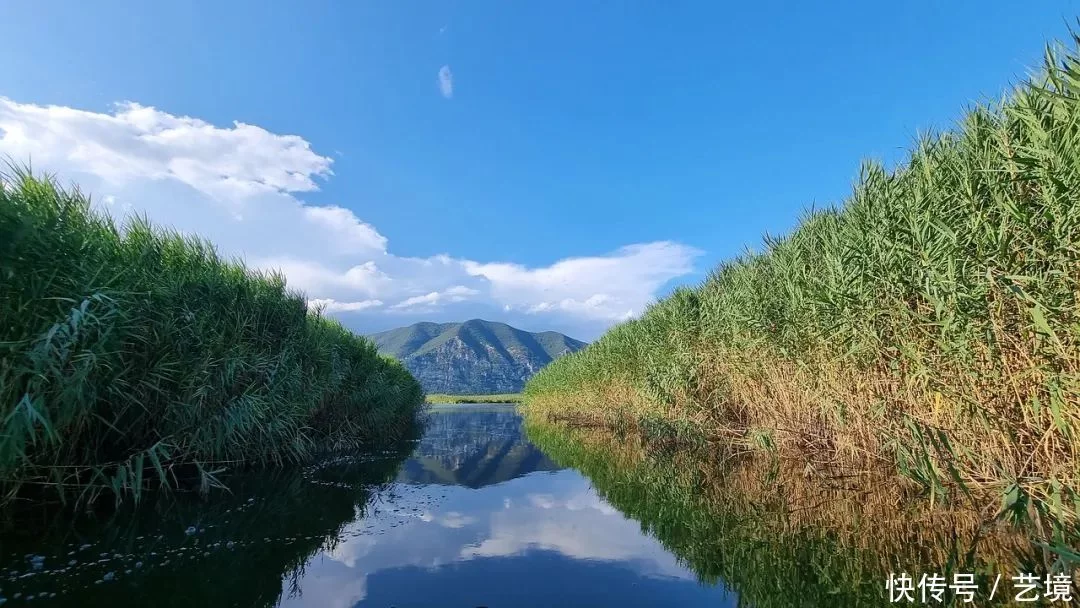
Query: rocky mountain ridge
476,357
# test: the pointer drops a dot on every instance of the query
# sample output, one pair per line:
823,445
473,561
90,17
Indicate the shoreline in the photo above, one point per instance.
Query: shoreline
444,399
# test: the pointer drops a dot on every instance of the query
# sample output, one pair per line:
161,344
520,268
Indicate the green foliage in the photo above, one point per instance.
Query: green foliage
933,318
135,356
778,535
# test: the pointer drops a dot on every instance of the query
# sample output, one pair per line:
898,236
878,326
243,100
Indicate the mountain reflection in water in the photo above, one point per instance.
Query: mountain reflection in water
479,513
473,446
504,526
475,516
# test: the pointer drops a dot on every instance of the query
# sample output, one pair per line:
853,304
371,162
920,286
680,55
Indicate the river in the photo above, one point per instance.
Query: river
475,516
476,513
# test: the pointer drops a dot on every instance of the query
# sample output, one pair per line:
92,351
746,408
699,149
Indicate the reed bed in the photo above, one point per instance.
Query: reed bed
134,356
780,533
929,321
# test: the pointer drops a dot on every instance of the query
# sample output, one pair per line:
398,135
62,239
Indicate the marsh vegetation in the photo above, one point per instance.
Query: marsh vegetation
476,516
135,357
931,322
784,532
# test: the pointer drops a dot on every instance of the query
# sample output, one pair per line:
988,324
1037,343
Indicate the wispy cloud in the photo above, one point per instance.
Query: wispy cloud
428,299
446,82
457,293
330,305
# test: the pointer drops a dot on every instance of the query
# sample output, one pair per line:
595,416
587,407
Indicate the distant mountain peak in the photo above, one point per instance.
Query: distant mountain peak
474,356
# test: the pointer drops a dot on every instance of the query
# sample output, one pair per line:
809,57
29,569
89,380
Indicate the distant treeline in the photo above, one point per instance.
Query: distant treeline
501,398
931,320
134,357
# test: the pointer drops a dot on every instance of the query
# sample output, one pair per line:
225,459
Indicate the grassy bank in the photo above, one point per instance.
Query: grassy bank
930,321
780,533
136,357
499,398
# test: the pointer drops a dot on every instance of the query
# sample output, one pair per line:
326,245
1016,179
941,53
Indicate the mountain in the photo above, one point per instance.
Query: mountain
475,357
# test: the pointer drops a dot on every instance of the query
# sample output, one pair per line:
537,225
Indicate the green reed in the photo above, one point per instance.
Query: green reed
779,534
134,356
931,320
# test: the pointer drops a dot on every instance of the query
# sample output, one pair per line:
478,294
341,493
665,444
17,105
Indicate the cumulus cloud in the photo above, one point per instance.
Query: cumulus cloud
348,231
607,288
239,186
139,142
315,278
446,82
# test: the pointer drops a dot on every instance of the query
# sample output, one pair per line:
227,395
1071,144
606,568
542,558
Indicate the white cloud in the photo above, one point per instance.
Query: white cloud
608,288
446,82
139,142
330,305
457,293
238,186
428,299
315,278
350,233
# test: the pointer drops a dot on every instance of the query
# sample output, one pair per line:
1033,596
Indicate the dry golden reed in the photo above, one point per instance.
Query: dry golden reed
931,321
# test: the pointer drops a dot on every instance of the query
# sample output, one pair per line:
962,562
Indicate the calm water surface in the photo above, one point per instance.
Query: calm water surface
476,515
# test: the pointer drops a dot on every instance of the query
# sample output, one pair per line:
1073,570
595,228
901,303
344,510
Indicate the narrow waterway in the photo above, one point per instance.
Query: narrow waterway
486,510
474,515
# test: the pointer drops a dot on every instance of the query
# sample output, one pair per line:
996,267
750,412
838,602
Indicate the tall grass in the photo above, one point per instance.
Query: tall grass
780,533
931,320
136,356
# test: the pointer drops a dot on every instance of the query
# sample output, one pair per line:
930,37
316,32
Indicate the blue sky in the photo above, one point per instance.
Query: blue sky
577,160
